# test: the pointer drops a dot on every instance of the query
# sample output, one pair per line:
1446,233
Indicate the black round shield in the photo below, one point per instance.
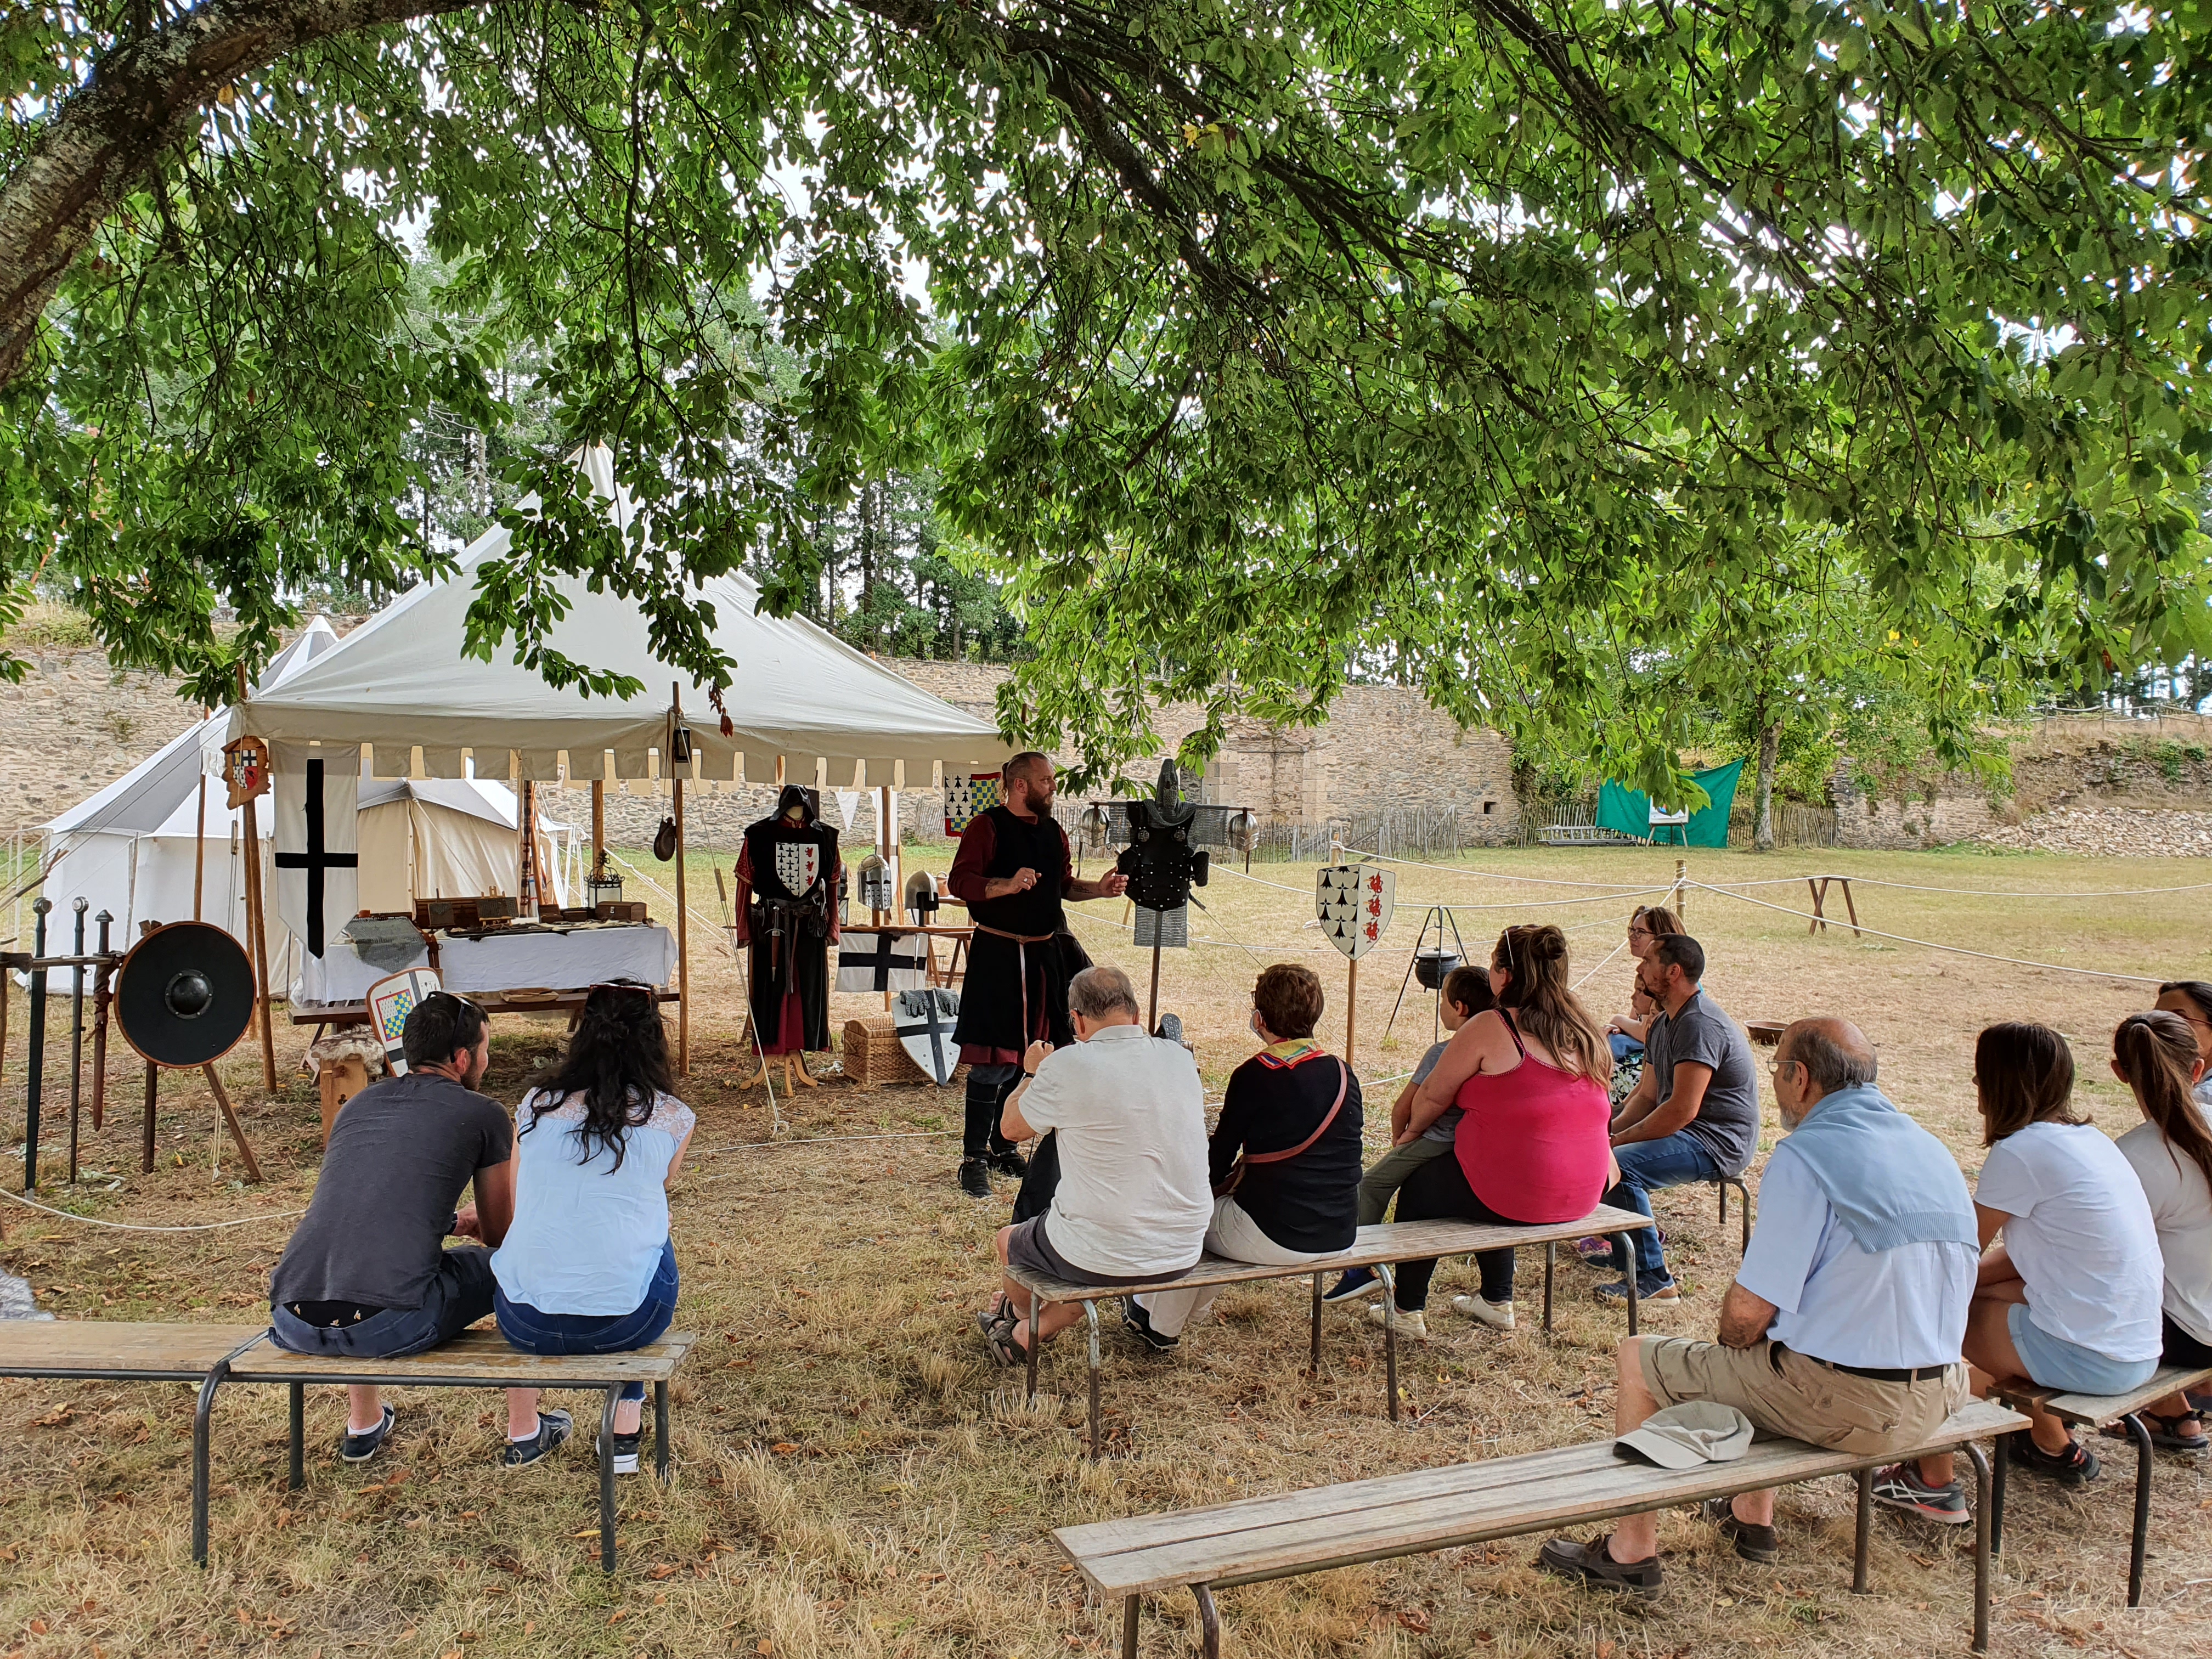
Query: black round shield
183,995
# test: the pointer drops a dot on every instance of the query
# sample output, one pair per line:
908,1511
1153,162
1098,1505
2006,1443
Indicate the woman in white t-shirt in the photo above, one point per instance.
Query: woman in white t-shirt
2070,1299
2156,1056
2191,998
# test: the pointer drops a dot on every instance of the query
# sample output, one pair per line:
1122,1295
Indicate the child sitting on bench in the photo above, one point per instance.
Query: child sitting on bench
1465,993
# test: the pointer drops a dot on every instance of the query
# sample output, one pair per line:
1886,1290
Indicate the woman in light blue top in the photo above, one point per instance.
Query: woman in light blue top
587,1265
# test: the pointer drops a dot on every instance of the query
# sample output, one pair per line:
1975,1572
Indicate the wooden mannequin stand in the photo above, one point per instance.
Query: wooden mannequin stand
795,1074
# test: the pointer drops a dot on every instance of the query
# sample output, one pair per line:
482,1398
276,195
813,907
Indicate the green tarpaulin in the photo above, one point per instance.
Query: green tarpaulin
1629,811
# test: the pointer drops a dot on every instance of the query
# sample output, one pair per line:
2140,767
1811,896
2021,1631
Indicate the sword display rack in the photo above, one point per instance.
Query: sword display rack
101,961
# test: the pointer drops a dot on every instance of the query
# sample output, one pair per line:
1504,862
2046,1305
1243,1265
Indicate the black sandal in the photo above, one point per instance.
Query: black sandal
2164,1432
1004,1348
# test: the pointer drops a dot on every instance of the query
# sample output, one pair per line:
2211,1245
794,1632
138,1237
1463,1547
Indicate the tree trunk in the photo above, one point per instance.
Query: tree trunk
1770,752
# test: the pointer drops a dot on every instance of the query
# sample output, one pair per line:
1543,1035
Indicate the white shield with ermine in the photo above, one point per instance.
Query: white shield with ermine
1354,902
798,864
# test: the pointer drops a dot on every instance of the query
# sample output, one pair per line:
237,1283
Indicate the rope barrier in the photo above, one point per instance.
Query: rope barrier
1281,887
138,1227
1592,973
1933,945
1485,875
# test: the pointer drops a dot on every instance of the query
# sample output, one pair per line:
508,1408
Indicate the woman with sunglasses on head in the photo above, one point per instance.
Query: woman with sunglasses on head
2191,998
587,1265
1648,925
2156,1055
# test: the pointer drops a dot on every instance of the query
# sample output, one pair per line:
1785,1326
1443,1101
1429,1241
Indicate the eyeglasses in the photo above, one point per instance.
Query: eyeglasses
1639,933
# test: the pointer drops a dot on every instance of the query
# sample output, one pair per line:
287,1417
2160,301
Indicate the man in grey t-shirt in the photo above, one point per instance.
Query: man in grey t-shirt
1694,1114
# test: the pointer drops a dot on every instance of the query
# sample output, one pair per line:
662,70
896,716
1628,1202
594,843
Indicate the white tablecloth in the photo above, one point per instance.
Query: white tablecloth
506,962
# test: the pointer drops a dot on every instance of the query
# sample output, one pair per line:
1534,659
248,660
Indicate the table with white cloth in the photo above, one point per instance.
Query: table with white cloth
559,958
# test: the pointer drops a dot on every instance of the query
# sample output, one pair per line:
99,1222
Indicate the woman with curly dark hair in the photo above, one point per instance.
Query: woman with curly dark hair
588,1268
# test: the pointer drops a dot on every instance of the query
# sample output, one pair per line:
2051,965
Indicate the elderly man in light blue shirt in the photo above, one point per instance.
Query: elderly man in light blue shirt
1844,1325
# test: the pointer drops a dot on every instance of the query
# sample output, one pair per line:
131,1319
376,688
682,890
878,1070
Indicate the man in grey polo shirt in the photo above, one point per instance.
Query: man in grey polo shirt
1693,1116
1846,1323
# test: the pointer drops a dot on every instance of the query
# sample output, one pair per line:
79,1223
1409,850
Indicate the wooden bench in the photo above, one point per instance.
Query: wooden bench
474,1359
1291,1533
1377,1247
2095,1411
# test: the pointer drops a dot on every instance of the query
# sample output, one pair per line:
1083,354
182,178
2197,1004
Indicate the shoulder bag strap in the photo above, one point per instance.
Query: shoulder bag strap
1343,1084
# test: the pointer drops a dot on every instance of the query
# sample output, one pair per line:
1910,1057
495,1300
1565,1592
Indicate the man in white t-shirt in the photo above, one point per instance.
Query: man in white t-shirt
1134,1197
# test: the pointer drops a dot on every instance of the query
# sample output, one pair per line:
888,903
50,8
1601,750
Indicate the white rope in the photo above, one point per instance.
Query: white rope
1281,887
1485,875
1932,945
1592,973
134,1227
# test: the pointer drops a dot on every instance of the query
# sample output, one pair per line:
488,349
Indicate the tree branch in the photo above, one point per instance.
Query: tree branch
142,97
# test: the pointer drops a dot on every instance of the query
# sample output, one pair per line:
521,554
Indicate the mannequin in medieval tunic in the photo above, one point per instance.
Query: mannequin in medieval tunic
1013,870
786,920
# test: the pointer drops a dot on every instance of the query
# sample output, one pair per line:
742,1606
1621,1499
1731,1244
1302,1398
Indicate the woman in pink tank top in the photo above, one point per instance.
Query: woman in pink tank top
1529,1078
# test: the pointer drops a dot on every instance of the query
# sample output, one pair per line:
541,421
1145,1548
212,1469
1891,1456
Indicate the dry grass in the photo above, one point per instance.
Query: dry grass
855,1477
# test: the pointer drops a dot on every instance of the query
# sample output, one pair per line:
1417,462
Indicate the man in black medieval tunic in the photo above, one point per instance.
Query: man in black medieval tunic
1013,870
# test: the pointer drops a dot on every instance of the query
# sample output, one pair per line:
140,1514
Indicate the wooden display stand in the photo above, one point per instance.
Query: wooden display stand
340,1080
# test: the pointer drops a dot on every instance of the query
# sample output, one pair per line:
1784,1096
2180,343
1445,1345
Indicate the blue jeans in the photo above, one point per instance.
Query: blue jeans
534,1331
458,1295
1647,1167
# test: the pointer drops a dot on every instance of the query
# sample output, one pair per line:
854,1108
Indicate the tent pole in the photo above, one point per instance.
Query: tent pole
682,943
199,846
599,825
256,929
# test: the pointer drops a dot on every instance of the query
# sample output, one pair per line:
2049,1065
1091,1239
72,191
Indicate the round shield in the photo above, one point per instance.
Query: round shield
183,995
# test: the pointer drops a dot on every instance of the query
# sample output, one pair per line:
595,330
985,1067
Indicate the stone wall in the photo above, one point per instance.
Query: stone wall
73,727
1382,746
1960,810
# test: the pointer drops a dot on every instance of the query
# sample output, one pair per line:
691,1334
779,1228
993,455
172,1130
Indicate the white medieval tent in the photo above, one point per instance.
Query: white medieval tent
803,704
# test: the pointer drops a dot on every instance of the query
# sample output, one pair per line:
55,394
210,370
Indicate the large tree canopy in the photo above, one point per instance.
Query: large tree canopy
1251,336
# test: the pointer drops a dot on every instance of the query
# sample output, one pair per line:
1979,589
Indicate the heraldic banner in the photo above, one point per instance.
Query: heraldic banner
318,876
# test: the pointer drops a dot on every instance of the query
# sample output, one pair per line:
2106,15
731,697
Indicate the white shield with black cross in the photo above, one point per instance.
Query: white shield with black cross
798,864
924,1021
1354,901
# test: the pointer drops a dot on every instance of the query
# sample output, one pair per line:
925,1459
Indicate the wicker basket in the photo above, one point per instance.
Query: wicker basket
872,1056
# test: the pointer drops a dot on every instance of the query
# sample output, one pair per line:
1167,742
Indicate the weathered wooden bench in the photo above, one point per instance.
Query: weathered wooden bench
1291,1533
1377,1247
2095,1411
474,1359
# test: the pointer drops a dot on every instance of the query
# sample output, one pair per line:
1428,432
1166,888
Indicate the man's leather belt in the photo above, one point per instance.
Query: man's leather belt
1880,1373
1018,939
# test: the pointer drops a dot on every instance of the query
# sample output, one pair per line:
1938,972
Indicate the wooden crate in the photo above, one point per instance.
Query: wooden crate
872,1056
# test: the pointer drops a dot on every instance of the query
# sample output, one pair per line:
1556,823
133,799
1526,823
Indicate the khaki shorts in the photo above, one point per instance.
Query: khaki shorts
1783,1393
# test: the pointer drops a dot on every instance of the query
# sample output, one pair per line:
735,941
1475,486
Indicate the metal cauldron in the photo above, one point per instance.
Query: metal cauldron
1433,965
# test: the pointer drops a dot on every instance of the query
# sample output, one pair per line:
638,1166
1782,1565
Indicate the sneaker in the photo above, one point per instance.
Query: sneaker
1139,1320
553,1429
1754,1543
1412,1327
1008,1162
1591,1566
1350,1284
360,1447
1901,1487
1597,1252
1170,1028
1498,1315
1616,1294
2076,1465
974,1179
625,1451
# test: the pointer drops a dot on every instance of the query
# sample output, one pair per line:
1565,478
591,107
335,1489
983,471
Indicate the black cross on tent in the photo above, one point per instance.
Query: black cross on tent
316,859
928,1014
882,962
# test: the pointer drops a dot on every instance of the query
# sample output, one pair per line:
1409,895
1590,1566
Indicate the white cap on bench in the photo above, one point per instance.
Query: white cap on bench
1683,1437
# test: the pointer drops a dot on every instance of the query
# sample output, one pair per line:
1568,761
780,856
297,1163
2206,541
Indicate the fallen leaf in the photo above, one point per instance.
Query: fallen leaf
1605,1650
54,1418
618,1615
38,1627
764,1646
662,1570
783,1448
1416,1619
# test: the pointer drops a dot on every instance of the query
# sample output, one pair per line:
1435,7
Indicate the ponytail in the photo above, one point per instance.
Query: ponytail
2157,1053
1535,957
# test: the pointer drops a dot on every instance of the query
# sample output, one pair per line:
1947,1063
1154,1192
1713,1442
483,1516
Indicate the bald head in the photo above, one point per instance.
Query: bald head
1816,1057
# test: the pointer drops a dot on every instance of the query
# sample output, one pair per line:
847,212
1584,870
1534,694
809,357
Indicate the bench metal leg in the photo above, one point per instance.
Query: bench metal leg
1389,1338
203,1419
607,1479
1980,1459
1129,1610
1315,1366
2001,1452
1865,1535
1209,1623
1628,1249
2141,1435
298,1472
1723,1184
1090,1320
1036,1315
661,1431
1551,1261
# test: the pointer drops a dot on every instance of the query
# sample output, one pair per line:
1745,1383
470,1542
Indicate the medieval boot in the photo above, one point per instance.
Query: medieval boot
974,1178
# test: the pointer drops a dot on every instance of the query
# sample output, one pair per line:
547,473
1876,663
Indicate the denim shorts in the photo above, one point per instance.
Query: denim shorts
2058,1364
535,1331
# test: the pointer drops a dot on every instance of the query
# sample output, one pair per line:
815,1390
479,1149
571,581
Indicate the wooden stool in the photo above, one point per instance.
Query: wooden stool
340,1080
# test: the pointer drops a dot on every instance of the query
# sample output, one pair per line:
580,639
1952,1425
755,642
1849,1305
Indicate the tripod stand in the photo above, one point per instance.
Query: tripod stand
1442,916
